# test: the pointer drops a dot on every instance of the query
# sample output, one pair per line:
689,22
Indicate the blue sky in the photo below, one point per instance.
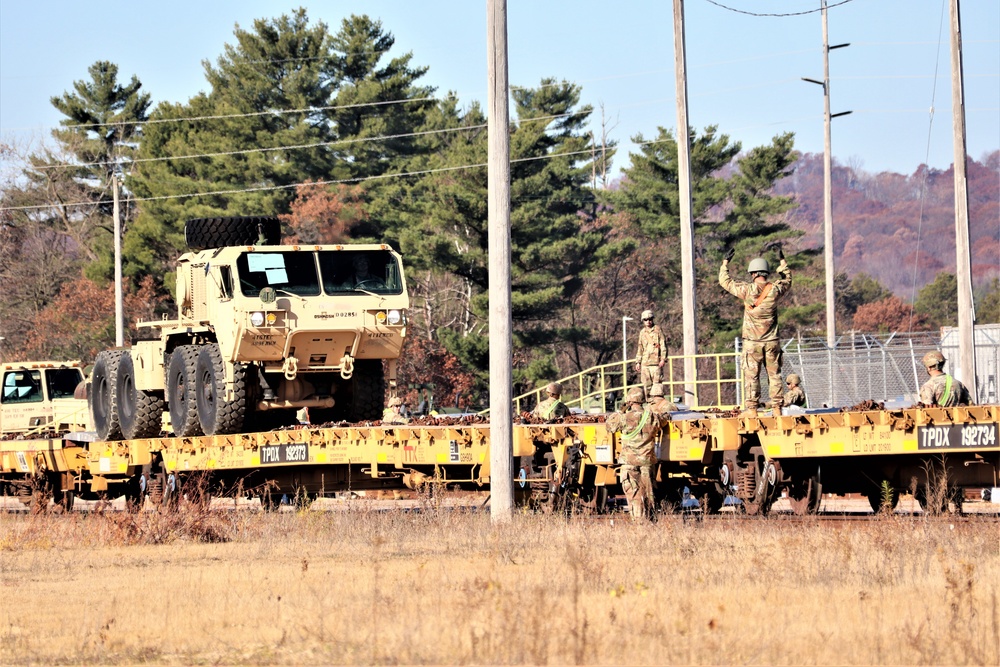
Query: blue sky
744,71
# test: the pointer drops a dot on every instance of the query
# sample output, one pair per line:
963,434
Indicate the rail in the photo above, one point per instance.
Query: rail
600,388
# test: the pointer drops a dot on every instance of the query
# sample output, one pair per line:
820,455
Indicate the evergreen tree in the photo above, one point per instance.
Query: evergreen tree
938,301
552,245
288,103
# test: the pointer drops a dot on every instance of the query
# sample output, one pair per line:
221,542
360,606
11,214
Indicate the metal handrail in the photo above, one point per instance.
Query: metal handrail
607,380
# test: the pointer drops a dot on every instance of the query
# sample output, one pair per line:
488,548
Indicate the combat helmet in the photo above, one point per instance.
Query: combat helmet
636,395
394,401
793,379
758,265
934,359
656,390
554,389
646,315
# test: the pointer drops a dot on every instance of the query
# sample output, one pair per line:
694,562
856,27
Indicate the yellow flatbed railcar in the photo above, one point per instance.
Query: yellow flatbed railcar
932,453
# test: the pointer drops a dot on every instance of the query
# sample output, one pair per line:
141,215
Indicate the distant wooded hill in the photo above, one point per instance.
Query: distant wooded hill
899,229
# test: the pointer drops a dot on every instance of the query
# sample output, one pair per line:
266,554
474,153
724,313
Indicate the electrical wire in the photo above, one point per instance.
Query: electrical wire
923,180
802,13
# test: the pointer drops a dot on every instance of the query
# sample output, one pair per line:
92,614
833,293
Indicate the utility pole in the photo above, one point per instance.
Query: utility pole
119,305
689,320
831,317
501,341
963,262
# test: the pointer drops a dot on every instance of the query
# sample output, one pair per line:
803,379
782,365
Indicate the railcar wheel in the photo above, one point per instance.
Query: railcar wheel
216,415
181,391
104,409
805,494
140,413
760,501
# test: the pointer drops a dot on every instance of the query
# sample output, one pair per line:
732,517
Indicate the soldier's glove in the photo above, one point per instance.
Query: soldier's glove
781,253
730,254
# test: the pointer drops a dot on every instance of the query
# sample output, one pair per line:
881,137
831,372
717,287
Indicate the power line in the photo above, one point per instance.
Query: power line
320,144
271,188
803,13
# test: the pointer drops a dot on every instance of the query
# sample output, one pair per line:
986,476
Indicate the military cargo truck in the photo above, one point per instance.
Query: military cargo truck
41,396
262,330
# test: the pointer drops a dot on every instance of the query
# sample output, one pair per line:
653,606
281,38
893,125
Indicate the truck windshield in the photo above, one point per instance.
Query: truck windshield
360,271
62,382
22,387
293,272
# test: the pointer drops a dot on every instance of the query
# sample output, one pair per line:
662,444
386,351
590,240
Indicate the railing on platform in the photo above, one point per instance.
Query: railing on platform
601,388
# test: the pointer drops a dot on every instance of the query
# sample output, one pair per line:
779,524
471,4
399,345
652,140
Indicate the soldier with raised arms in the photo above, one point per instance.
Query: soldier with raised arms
761,346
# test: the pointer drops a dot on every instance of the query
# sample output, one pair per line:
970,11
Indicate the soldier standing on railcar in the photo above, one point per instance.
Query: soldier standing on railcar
795,395
942,389
393,414
761,346
640,428
658,403
552,407
652,352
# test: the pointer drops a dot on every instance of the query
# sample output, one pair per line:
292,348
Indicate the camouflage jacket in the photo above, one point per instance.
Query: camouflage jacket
390,417
661,406
760,322
640,429
652,346
550,408
795,396
945,391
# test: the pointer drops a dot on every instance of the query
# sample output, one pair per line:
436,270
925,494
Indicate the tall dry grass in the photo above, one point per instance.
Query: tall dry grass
360,587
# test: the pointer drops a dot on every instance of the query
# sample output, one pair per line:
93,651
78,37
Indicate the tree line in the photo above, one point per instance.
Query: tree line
345,143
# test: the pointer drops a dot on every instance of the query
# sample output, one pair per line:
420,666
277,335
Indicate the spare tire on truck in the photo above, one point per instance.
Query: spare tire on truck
204,233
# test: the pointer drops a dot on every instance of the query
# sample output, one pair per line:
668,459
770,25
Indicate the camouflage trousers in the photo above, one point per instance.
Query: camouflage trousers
756,354
650,375
637,483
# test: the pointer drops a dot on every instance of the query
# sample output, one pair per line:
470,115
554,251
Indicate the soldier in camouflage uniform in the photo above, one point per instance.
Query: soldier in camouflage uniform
552,407
657,403
393,413
794,395
760,326
942,389
640,430
652,352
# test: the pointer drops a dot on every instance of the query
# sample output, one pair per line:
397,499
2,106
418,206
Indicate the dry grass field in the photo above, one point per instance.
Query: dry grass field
447,587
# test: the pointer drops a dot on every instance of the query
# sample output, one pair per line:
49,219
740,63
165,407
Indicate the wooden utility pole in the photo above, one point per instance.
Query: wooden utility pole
831,309
119,305
689,319
963,261
501,342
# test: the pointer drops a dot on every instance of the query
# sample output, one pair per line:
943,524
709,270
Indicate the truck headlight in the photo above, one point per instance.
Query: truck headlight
257,318
395,317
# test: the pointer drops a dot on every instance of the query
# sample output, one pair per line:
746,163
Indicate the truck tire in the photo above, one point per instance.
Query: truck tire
140,413
181,391
216,415
202,233
103,395
368,391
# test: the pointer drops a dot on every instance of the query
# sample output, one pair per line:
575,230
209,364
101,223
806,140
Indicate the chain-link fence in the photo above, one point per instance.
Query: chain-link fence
882,367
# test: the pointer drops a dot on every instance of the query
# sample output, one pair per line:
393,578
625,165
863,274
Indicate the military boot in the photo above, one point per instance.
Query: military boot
749,413
776,411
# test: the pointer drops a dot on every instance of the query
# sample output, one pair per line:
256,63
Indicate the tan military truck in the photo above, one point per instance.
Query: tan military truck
262,330
42,396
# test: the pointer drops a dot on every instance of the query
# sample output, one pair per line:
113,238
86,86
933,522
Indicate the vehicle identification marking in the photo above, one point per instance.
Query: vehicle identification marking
453,454
331,316
957,436
22,462
291,453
